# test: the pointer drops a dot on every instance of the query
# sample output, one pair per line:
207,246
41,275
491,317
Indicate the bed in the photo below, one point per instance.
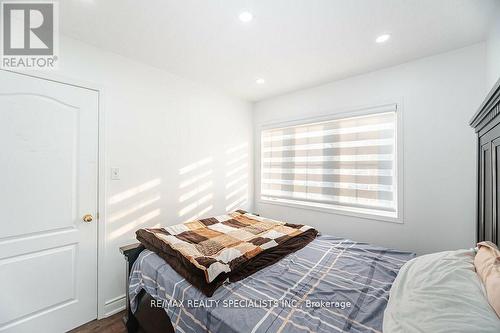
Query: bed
335,284
289,296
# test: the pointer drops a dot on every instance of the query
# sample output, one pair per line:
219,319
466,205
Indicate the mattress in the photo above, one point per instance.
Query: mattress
332,284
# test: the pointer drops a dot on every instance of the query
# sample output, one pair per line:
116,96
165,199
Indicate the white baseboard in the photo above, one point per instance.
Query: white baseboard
114,305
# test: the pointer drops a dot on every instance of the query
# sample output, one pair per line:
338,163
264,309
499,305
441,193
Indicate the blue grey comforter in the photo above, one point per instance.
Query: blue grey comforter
331,285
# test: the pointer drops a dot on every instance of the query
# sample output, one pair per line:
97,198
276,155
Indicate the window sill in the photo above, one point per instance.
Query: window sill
333,210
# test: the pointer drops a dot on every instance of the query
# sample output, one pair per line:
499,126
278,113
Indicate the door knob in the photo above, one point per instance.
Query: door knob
87,218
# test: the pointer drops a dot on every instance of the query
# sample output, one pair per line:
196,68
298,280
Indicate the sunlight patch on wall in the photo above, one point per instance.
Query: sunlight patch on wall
195,179
195,204
236,176
123,213
134,191
236,181
237,191
195,191
237,170
237,203
196,182
199,214
195,165
136,224
238,148
237,160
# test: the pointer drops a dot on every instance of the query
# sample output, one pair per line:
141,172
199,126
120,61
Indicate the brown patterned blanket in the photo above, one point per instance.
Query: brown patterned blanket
210,251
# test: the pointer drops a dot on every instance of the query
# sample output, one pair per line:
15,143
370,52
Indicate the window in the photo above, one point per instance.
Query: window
346,164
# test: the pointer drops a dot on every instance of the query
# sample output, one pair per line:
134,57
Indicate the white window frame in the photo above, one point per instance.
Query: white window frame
335,209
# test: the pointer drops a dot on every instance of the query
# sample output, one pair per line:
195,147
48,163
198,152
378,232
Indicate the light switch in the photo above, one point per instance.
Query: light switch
115,173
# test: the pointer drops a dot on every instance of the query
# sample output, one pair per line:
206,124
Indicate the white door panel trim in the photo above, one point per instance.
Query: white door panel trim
102,163
13,248
37,314
102,303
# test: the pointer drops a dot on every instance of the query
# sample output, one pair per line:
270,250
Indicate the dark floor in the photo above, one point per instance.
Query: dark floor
113,324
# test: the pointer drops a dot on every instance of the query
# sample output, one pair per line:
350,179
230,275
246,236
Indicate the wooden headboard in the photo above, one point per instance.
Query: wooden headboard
486,123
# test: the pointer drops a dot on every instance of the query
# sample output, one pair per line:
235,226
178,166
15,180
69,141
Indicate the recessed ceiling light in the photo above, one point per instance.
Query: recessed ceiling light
245,16
383,38
260,81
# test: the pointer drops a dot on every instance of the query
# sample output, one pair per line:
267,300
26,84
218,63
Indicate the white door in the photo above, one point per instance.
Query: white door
48,182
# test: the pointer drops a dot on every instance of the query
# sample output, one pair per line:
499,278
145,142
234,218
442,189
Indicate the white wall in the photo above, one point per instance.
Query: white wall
440,94
162,132
493,51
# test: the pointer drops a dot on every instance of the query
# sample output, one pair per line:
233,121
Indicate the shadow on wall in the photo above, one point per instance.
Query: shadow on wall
198,197
136,214
196,188
236,177
140,206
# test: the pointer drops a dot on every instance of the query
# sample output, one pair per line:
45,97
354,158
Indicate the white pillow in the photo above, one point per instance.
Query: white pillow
439,292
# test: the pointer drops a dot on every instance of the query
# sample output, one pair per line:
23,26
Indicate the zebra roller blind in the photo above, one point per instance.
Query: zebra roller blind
346,163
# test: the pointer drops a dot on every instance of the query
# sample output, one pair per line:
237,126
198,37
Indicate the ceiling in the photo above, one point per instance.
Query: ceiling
292,44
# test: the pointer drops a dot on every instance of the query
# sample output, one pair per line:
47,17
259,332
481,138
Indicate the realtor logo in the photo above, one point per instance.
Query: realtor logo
29,35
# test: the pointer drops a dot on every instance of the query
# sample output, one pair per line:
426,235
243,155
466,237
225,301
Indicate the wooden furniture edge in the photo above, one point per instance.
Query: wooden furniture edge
486,122
488,110
130,253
